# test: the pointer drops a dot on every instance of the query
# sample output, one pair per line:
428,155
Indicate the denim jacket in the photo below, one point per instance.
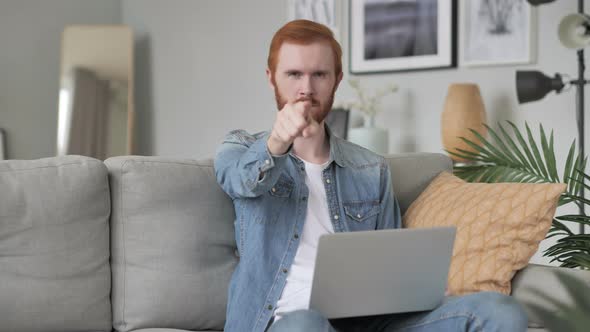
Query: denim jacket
270,200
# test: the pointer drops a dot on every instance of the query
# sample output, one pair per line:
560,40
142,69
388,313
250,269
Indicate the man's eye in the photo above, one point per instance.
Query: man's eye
320,75
294,75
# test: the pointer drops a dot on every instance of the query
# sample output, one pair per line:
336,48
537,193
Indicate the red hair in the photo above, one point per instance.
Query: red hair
303,32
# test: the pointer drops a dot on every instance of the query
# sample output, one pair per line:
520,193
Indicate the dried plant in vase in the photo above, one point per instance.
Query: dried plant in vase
368,105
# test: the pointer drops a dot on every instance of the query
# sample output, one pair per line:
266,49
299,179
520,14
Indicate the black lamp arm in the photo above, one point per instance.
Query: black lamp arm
578,81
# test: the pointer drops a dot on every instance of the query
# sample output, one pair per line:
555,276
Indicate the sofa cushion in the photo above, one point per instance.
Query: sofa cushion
412,172
499,227
173,246
54,245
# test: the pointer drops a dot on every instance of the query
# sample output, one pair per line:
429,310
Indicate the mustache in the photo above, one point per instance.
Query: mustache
314,102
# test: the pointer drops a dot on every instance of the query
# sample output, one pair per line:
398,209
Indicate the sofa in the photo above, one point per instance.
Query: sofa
145,243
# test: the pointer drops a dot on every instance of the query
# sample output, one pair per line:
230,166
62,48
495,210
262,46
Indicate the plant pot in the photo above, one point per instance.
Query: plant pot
372,138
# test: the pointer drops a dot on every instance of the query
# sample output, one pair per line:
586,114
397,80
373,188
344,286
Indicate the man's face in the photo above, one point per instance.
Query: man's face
305,72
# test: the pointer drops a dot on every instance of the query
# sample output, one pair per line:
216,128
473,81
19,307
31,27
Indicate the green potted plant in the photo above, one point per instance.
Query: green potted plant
506,159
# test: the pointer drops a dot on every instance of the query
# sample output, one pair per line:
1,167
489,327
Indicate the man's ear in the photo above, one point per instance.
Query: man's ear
338,80
269,77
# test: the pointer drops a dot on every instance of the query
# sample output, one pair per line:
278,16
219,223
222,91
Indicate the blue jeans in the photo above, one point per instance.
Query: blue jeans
485,311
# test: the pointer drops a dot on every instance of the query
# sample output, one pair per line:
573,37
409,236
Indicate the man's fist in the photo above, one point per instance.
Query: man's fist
293,121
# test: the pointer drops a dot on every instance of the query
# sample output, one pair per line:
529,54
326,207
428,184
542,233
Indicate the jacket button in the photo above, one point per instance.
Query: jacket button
285,270
274,190
328,181
336,217
269,307
296,236
304,198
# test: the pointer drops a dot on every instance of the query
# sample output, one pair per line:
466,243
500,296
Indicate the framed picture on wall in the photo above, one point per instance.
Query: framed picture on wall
497,32
2,155
320,11
388,36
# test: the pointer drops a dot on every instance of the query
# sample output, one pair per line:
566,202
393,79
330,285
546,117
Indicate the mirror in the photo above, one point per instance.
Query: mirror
95,111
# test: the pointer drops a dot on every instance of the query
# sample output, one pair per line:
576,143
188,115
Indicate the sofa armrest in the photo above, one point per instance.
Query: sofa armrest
540,278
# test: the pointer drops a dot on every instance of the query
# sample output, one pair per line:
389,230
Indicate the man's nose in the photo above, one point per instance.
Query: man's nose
306,87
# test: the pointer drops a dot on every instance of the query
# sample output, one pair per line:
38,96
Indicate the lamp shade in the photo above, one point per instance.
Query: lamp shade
463,110
533,85
574,31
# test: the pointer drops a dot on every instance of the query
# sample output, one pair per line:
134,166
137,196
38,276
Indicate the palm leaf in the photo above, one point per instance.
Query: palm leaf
578,178
519,164
560,315
536,153
502,146
567,172
467,155
492,150
577,218
515,149
549,155
506,157
485,153
571,251
559,229
524,146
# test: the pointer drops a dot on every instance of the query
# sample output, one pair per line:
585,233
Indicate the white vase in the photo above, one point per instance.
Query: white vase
370,137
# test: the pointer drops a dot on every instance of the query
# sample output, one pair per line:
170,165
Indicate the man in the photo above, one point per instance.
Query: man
297,182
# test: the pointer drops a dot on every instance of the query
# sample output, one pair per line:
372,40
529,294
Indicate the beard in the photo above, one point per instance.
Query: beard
318,116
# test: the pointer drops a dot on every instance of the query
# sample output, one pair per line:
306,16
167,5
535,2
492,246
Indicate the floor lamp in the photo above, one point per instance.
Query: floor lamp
574,33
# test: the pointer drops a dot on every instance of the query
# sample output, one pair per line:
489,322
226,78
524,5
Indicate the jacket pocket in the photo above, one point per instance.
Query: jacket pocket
267,208
362,212
283,187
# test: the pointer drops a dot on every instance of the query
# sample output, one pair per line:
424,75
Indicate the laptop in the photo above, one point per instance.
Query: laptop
381,272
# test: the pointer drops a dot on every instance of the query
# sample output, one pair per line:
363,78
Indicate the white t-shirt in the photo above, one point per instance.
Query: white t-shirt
297,291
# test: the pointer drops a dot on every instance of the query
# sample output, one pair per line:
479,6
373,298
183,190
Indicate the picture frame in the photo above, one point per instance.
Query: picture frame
2,153
325,12
399,36
497,32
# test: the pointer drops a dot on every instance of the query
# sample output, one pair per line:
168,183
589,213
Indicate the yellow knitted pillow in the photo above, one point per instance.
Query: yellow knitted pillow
499,227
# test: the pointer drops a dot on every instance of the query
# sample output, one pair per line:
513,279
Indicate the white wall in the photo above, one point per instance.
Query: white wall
30,44
200,73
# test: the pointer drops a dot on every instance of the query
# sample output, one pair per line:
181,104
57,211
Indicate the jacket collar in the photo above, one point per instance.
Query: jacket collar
336,152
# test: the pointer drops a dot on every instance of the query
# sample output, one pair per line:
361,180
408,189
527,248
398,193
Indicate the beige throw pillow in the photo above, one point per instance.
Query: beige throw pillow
499,227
